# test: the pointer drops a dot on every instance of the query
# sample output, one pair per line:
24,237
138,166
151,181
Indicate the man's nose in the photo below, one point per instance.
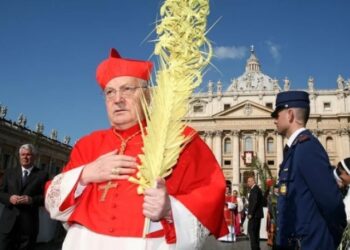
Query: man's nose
118,97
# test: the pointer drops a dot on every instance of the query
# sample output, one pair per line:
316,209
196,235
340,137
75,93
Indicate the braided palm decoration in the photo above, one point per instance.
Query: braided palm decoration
183,52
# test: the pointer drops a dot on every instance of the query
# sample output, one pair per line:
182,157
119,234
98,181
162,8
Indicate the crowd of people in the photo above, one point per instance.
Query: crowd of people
94,199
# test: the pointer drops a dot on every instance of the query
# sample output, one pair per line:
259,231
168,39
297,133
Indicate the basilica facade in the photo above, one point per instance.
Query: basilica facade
236,123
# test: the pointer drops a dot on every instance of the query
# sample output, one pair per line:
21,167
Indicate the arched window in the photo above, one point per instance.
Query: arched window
330,144
248,143
270,147
227,146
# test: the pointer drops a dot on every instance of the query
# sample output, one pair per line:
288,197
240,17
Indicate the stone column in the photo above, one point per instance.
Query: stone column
317,133
261,146
343,148
346,144
341,101
235,159
209,139
217,145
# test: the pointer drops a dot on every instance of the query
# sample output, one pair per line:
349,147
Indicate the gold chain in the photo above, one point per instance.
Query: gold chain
123,144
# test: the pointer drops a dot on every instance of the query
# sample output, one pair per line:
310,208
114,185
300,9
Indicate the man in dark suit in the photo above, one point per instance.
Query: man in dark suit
255,213
310,210
22,193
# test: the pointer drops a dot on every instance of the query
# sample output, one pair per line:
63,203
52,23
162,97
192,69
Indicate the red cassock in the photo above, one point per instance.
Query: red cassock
196,181
228,212
232,216
236,216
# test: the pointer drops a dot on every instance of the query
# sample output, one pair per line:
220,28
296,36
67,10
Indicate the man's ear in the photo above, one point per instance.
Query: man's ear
291,115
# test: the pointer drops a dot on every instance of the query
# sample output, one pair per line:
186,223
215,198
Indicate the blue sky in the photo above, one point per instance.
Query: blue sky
49,50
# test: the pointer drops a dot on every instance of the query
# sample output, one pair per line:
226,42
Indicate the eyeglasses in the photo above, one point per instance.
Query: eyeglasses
124,91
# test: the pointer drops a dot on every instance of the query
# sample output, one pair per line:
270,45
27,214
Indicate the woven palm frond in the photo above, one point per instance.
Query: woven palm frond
184,52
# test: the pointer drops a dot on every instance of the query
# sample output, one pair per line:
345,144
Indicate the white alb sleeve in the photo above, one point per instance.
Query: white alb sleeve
190,233
60,187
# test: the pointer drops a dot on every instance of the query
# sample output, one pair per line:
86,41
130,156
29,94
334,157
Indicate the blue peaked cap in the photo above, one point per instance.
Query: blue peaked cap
291,99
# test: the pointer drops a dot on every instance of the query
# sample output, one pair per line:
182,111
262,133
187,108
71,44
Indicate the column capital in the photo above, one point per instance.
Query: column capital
234,132
276,132
208,133
317,132
261,132
343,131
218,133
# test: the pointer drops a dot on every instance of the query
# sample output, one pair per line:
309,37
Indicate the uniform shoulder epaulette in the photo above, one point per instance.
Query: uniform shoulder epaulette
303,138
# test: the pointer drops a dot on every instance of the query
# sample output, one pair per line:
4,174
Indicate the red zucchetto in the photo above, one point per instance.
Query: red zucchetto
116,66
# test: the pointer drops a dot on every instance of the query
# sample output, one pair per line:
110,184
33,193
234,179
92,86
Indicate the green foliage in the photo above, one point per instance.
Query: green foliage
345,241
263,171
243,189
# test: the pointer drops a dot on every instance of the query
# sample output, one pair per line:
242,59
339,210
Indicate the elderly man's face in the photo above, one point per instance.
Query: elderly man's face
26,158
123,101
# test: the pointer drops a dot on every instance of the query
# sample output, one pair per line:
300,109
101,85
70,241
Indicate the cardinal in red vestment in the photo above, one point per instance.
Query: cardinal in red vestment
233,207
101,208
229,215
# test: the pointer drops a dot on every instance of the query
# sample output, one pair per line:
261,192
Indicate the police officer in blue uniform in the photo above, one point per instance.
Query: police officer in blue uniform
310,210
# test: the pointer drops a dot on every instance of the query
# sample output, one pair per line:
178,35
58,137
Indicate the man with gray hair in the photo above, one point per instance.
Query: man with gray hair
21,192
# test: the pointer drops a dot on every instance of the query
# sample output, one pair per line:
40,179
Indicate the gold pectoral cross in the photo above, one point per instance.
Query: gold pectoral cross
110,183
106,188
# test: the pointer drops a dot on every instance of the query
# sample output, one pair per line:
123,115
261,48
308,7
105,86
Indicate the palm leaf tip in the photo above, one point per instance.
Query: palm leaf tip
184,51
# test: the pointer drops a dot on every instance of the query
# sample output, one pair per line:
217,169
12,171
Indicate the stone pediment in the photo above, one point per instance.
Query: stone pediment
245,109
196,101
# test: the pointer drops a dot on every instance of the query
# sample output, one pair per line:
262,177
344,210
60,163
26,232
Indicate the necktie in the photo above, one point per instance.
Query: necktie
25,177
285,150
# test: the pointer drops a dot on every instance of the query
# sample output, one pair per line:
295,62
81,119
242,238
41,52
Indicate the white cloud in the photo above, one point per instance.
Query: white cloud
233,52
274,50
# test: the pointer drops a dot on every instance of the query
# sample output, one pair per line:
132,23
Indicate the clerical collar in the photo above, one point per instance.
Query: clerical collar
28,169
294,135
130,131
